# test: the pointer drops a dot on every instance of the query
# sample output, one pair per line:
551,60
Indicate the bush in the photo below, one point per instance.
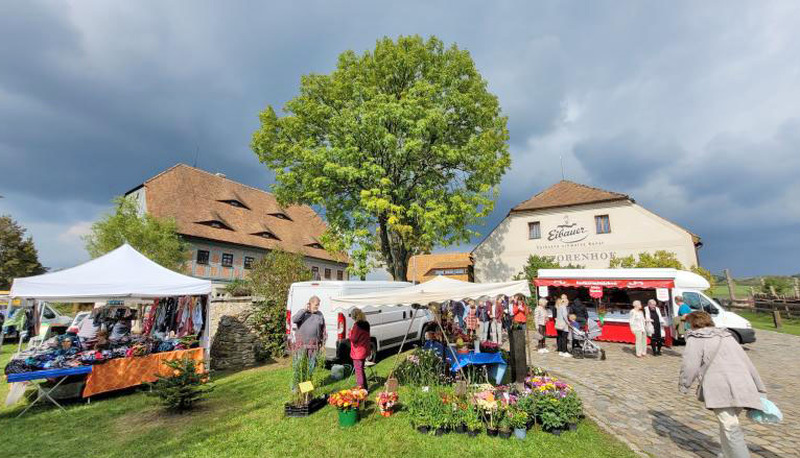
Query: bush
270,278
181,390
421,368
239,288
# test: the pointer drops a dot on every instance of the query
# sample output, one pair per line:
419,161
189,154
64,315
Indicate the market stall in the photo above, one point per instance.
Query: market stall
608,294
436,291
148,314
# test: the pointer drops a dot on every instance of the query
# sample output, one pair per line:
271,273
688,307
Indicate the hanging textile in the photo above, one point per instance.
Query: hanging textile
197,315
150,319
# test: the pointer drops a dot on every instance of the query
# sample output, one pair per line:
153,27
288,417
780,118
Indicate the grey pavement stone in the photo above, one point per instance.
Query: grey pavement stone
638,401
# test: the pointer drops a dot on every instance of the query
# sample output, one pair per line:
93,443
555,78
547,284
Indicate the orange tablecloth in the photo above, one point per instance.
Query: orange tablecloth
120,373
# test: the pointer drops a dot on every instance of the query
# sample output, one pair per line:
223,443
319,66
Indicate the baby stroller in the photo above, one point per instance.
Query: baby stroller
583,344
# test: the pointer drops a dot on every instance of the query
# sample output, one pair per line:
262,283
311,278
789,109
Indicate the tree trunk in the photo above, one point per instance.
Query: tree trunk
394,251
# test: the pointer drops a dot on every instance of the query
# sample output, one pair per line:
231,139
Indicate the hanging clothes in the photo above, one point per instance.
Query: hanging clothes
184,320
197,315
150,318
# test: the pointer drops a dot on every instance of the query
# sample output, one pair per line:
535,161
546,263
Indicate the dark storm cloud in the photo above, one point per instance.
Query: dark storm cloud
663,101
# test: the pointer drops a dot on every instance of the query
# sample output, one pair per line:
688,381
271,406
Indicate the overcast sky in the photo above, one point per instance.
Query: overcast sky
693,108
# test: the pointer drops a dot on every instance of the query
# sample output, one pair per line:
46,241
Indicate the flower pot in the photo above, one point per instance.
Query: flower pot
386,413
472,432
505,434
423,429
461,429
554,431
348,418
520,433
491,432
572,426
463,351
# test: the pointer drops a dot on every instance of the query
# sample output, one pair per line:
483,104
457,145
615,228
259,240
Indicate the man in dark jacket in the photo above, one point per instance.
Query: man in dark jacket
580,312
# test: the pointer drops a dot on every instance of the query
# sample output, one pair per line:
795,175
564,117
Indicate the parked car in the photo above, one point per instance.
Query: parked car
387,326
50,316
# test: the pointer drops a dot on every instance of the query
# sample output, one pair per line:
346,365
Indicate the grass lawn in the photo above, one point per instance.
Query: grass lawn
244,417
764,321
721,291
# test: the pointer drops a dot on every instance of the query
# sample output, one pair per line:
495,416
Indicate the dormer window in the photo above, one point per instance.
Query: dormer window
315,245
216,224
267,235
235,203
281,215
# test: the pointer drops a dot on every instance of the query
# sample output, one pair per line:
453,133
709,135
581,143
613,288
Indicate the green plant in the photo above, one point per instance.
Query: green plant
303,367
502,418
517,417
421,368
535,262
423,407
528,405
184,387
550,413
571,407
239,288
781,285
472,418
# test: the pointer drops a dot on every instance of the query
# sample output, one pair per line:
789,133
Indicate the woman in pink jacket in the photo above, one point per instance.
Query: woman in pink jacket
359,345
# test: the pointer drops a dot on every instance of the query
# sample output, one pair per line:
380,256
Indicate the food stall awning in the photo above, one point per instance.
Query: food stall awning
438,290
622,283
121,273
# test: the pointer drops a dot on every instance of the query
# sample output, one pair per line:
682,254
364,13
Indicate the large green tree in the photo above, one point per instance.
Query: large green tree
18,255
402,147
156,238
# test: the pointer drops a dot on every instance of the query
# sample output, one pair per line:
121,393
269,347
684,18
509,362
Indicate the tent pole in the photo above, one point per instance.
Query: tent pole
400,350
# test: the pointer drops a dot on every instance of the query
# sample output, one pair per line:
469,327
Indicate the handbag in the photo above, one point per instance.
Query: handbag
705,369
769,414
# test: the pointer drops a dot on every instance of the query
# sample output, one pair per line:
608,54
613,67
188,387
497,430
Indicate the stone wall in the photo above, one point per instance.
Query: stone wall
233,343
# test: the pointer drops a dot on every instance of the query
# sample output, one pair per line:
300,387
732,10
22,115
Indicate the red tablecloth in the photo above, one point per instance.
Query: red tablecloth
120,373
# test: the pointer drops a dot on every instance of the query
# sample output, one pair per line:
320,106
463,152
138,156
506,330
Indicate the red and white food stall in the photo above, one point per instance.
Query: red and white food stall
609,293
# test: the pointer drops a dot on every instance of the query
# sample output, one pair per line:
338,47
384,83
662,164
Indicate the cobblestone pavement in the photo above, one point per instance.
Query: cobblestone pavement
638,399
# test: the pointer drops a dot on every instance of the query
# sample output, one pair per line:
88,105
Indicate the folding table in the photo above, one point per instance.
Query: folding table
47,374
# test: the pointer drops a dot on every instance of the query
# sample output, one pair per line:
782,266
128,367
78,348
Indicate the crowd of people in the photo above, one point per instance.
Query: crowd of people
485,319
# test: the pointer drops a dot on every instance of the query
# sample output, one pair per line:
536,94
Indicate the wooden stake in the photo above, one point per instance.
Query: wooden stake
776,318
731,285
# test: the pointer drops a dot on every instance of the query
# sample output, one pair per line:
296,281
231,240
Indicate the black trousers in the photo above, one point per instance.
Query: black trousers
656,342
561,341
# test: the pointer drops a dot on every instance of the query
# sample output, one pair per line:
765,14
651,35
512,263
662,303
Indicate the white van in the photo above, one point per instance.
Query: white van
388,325
661,284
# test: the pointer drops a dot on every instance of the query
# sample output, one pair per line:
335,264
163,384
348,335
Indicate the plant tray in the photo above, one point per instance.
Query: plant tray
305,410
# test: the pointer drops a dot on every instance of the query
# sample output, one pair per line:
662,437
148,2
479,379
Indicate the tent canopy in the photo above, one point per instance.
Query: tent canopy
122,273
439,289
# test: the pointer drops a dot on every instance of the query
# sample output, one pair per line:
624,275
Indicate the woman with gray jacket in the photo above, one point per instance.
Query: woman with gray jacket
562,326
727,380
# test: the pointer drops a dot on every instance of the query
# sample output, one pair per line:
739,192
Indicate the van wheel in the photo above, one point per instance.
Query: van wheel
373,352
736,336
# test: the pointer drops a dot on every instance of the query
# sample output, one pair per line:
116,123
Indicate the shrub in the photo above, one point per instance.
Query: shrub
184,387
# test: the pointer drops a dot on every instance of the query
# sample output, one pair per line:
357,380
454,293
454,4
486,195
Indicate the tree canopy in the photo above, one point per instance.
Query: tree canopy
18,255
535,262
402,147
659,258
156,238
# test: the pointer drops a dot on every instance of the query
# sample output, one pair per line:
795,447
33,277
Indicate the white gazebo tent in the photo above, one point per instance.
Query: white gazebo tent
437,290
123,273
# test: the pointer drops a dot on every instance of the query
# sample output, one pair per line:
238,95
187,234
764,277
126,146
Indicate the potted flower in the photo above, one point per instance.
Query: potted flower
487,405
472,421
527,404
419,411
518,420
461,414
348,402
461,346
572,409
488,346
386,401
504,423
